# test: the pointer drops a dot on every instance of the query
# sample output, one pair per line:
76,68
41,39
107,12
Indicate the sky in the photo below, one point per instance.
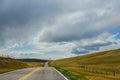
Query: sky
56,29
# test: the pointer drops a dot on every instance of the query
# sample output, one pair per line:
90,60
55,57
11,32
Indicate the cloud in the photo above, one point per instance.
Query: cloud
71,27
83,24
95,44
56,21
20,19
90,47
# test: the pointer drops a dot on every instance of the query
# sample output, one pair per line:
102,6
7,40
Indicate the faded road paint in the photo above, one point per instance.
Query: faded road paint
29,74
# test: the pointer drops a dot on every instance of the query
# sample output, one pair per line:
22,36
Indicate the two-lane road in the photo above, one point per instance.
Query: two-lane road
45,73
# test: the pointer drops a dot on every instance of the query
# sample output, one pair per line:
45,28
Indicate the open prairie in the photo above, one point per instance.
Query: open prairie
102,65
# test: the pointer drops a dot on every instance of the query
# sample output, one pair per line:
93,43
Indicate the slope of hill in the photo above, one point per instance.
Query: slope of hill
8,64
107,62
107,58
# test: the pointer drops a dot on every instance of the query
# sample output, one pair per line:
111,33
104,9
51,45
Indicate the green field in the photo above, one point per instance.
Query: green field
71,75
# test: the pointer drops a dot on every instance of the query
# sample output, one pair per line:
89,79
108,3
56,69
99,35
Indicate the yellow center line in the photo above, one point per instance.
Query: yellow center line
29,74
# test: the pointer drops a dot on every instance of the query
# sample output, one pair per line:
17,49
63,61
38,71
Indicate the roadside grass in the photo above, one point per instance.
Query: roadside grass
92,75
3,70
11,63
35,64
71,75
8,64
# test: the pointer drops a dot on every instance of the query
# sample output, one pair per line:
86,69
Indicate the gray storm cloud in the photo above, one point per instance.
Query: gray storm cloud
62,21
90,47
57,21
21,19
84,22
95,44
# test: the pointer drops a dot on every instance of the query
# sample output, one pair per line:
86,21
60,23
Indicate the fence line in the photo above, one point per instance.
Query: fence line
106,71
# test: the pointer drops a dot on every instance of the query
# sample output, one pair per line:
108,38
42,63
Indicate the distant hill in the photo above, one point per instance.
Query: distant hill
33,60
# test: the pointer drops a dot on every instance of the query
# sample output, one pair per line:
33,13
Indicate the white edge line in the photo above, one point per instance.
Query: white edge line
61,74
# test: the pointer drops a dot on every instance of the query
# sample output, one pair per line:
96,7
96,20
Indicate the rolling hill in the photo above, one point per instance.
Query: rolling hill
105,64
8,64
33,60
101,58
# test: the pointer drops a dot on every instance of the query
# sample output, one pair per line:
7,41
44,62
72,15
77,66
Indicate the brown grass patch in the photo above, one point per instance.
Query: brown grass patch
35,64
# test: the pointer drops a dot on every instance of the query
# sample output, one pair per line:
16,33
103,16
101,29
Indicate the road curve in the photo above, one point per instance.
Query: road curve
45,73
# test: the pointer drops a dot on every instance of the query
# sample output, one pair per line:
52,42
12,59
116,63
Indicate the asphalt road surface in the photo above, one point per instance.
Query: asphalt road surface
45,73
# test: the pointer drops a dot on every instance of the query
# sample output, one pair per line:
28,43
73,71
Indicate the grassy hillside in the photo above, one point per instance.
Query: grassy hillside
104,64
8,64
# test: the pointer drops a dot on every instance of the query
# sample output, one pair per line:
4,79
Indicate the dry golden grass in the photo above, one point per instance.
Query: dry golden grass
96,78
35,64
8,64
3,70
106,61
11,63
